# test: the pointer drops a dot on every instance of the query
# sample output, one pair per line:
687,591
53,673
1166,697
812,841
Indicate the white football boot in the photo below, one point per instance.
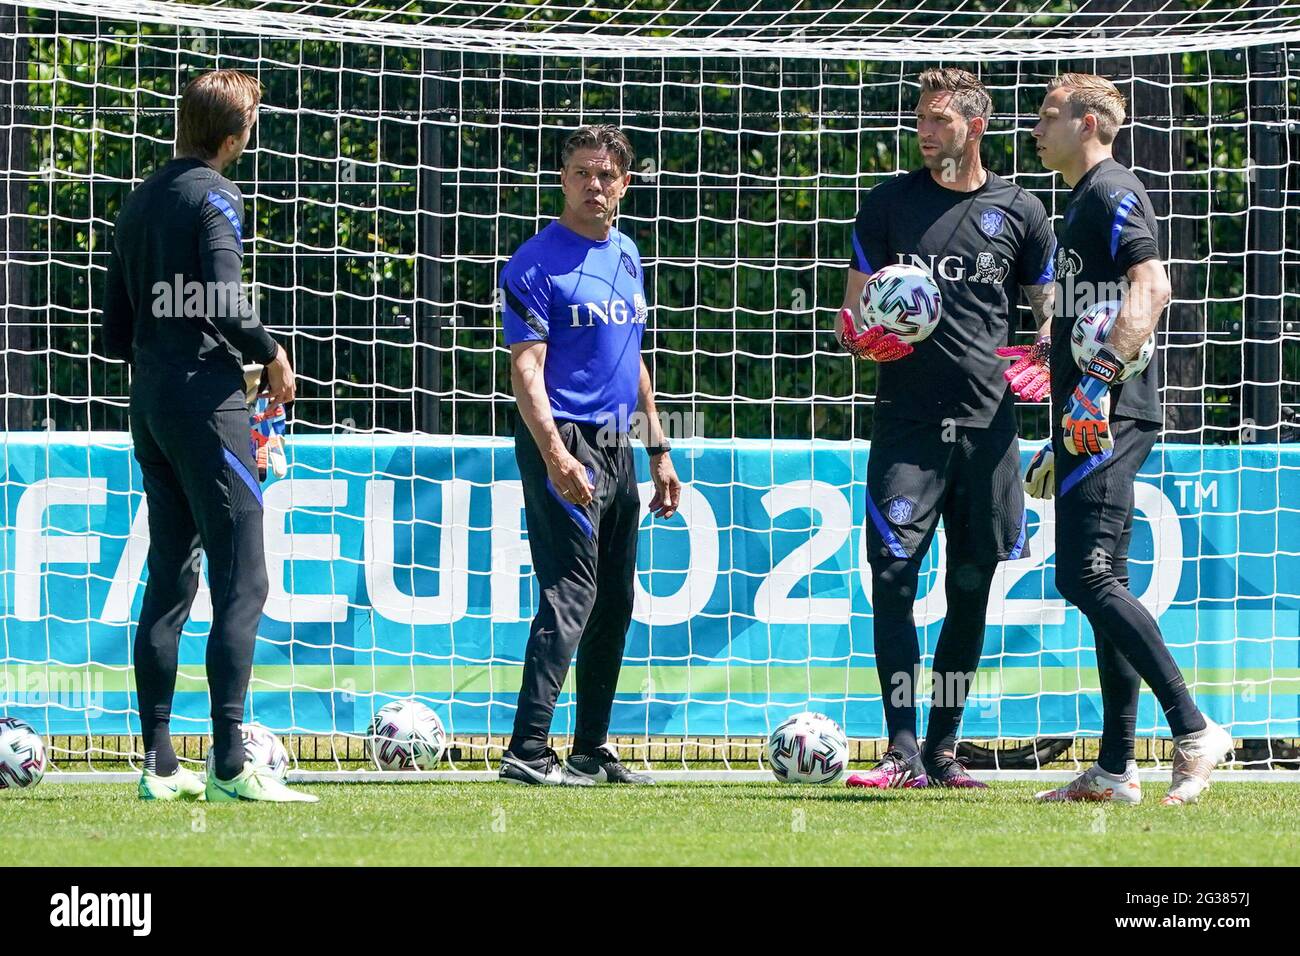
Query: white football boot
1195,757
1095,785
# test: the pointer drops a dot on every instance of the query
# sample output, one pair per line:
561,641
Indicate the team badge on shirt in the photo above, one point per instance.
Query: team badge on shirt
629,265
900,510
991,221
1068,262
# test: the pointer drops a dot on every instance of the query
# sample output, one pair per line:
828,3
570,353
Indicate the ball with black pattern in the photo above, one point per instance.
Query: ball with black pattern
405,735
808,748
22,754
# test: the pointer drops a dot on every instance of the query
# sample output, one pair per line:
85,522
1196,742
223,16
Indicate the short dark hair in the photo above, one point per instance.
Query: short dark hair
600,136
215,105
969,97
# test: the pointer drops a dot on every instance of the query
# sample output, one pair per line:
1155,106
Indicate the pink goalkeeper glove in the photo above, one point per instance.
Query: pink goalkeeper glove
874,343
1030,376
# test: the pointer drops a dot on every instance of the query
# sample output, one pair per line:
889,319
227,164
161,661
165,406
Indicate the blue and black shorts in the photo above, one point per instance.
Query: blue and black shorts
919,472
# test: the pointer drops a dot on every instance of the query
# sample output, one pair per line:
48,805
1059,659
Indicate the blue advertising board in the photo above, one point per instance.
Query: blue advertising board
400,568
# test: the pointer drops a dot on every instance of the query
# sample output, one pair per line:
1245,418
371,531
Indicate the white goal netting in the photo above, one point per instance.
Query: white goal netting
405,149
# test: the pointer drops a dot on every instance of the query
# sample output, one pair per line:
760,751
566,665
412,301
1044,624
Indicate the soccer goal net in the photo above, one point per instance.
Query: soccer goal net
405,149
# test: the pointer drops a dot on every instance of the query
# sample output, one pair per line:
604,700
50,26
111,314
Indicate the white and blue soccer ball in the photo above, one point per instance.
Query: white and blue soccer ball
1092,330
902,298
262,748
405,735
808,748
22,754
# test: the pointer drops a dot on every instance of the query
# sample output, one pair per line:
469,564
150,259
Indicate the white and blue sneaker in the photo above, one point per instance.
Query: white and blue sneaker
182,785
255,782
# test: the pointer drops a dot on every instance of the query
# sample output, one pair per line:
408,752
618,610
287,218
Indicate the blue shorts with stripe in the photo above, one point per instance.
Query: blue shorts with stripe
919,472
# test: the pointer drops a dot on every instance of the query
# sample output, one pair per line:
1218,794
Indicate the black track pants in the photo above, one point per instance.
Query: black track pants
585,560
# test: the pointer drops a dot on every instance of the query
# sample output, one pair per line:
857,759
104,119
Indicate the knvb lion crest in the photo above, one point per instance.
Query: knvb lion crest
1068,262
991,222
988,270
900,510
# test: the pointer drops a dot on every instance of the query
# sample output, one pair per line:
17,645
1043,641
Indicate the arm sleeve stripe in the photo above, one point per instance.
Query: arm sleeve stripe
525,315
859,257
227,210
1121,216
1049,270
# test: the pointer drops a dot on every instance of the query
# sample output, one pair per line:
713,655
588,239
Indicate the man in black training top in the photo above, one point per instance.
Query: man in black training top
944,441
574,315
174,308
1102,433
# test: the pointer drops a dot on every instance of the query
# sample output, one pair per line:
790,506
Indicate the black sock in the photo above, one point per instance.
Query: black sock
159,756
161,764
227,749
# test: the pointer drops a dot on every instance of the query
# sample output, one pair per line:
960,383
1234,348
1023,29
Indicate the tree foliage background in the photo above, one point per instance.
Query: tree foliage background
389,185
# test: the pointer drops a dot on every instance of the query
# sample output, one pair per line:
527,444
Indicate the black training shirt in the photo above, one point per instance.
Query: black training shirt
979,246
173,305
1107,229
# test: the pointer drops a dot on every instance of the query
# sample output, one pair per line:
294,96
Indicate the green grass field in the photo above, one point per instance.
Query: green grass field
678,823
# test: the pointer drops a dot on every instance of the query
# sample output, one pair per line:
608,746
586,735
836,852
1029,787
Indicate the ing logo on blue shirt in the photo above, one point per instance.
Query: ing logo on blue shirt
609,312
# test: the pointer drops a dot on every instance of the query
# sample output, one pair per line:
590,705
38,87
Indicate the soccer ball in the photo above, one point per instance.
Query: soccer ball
405,735
808,748
1092,329
22,754
263,748
904,299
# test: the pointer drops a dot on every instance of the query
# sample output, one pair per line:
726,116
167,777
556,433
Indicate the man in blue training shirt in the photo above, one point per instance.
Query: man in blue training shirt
574,315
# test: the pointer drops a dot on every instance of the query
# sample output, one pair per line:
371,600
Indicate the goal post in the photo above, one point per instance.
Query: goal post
404,150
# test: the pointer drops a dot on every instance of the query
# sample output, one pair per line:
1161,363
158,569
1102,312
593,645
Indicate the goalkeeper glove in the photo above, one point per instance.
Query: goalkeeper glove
874,343
1029,375
266,432
1085,424
1040,476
